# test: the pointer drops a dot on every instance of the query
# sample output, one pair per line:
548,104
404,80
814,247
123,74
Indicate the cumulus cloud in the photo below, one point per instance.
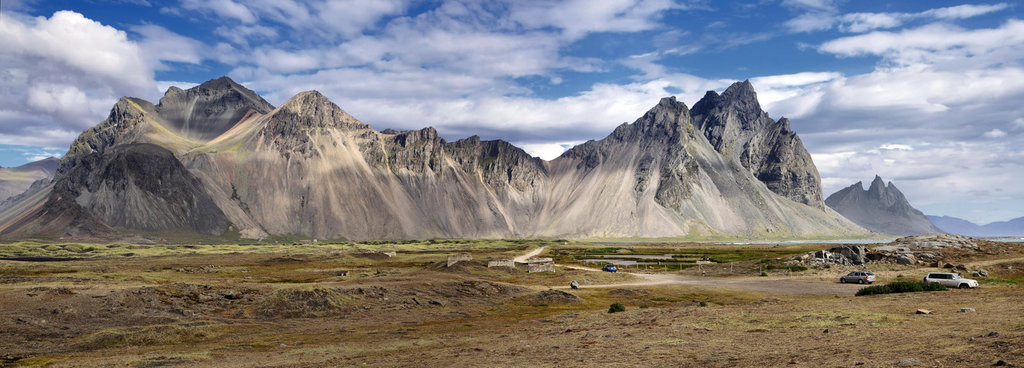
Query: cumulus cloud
61,74
933,43
950,94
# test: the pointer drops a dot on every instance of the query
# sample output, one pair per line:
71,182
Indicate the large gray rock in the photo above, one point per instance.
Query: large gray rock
936,241
881,208
847,255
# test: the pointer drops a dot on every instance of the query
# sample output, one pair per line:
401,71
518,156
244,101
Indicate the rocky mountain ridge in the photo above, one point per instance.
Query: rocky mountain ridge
308,168
881,208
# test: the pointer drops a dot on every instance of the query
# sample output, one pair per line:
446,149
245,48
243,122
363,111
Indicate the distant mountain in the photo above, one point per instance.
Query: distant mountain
881,208
960,226
218,160
17,180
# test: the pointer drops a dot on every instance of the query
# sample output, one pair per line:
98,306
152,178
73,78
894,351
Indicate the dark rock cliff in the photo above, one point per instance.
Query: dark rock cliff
735,125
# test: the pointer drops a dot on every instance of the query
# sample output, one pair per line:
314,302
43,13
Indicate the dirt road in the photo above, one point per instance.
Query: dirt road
531,254
800,285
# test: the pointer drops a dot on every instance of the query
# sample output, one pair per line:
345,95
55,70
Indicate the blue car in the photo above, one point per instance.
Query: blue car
609,268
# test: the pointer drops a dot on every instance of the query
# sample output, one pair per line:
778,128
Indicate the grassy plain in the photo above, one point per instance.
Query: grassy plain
346,304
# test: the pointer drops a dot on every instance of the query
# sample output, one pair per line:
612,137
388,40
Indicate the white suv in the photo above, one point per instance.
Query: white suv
951,280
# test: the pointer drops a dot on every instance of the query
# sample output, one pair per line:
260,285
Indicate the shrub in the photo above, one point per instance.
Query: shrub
616,307
901,287
643,306
703,304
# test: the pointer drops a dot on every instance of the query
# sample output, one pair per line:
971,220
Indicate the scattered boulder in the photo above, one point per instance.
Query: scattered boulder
967,310
908,362
574,285
906,259
1002,363
923,311
993,334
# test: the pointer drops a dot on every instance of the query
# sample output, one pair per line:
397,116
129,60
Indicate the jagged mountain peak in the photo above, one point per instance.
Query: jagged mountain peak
740,96
882,208
311,110
877,185
667,119
741,91
735,125
208,110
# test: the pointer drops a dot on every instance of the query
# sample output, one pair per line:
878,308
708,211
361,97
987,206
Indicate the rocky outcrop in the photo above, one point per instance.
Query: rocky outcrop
309,168
735,125
925,249
881,208
936,241
845,255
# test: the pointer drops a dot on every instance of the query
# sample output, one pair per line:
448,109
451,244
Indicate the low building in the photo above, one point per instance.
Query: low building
541,265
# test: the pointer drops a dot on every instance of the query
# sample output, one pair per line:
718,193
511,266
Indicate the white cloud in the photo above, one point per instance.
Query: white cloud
60,75
159,44
547,151
1019,123
995,133
223,8
897,147
810,22
935,42
863,22
70,39
579,17
823,15
350,17
964,11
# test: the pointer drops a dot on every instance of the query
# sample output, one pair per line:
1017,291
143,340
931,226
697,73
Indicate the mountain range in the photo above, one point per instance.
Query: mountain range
881,208
16,180
1014,227
217,159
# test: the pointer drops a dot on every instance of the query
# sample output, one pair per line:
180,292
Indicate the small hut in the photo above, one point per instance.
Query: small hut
541,265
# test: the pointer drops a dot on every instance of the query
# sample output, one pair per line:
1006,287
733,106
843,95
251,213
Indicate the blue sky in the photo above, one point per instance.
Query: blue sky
926,94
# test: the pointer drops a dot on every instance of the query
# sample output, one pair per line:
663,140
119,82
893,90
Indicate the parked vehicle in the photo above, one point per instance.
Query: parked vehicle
951,280
860,277
609,268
